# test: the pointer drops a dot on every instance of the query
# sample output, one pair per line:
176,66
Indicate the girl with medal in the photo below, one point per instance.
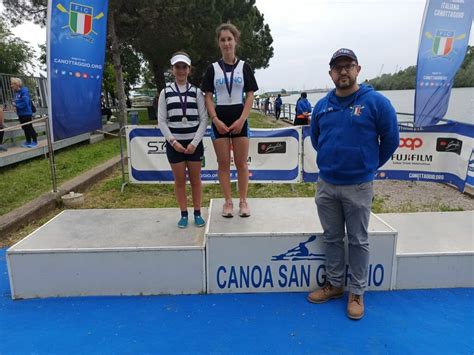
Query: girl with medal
182,118
232,82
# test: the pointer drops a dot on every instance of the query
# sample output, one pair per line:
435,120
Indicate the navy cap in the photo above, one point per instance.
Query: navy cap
343,52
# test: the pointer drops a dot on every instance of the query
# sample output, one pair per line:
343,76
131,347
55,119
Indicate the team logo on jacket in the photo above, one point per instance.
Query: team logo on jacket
357,110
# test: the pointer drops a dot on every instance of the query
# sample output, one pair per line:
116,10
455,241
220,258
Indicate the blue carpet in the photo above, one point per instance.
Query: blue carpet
398,322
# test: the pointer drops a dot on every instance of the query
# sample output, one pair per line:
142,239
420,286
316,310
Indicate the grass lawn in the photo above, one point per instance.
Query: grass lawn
25,181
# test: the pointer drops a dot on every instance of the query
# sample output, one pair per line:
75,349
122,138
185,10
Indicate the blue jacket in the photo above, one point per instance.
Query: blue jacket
278,102
302,105
355,140
22,101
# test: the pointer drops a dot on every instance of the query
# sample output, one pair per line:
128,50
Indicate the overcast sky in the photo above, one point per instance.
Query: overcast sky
306,33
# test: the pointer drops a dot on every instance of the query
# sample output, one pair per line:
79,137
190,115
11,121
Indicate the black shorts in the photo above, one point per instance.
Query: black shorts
175,157
229,114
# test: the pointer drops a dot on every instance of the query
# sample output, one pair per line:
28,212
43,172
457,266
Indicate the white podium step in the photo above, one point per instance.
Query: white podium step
434,250
279,248
109,252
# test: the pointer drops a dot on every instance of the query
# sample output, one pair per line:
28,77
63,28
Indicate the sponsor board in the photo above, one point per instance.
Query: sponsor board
239,264
439,154
273,156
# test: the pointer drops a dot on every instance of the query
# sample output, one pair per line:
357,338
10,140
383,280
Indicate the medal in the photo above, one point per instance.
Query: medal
227,84
182,101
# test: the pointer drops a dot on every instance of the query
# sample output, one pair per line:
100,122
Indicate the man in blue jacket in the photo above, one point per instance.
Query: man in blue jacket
303,110
354,131
22,104
278,104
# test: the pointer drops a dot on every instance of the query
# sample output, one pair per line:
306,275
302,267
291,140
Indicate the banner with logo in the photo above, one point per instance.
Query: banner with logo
274,156
438,153
76,35
443,42
286,263
470,171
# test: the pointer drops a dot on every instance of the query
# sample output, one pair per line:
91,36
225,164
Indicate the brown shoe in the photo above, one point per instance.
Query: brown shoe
326,293
355,306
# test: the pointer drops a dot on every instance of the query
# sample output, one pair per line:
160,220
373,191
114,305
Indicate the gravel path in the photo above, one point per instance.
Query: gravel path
411,196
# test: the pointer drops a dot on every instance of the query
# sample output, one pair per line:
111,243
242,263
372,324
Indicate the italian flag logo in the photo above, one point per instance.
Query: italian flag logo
443,42
80,18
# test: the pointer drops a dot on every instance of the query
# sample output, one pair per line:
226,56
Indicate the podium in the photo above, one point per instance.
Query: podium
279,248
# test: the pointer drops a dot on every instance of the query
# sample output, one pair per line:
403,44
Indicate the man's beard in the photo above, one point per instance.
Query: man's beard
348,83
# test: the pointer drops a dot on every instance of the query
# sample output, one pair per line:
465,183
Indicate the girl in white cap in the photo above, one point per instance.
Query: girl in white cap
182,118
230,79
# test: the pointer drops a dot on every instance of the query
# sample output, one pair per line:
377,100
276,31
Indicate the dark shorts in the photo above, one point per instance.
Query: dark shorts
300,121
175,157
228,115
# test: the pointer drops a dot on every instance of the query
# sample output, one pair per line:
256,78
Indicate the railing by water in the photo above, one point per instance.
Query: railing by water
37,87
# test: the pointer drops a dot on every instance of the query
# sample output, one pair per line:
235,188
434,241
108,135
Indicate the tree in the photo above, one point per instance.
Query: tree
405,79
158,28
16,56
170,26
121,27
132,69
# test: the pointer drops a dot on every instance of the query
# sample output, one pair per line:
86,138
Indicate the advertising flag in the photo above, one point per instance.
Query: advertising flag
76,36
443,42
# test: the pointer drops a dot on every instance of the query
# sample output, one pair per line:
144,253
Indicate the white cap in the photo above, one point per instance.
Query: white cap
180,58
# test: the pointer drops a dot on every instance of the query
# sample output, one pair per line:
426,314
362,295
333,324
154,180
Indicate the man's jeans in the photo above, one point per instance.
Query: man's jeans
348,205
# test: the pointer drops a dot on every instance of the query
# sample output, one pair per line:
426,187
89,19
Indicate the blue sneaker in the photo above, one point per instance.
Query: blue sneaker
32,145
183,222
25,145
199,221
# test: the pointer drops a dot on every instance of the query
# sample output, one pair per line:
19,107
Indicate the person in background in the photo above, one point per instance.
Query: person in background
303,110
22,104
182,118
278,104
104,109
2,126
230,78
354,131
266,106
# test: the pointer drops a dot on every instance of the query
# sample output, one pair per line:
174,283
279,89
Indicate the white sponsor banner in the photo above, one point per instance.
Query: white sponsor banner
274,156
239,264
431,155
435,155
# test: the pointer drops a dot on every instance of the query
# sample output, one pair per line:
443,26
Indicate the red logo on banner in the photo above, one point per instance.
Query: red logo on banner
411,143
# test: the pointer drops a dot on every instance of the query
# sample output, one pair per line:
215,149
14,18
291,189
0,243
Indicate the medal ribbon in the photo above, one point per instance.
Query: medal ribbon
180,95
227,84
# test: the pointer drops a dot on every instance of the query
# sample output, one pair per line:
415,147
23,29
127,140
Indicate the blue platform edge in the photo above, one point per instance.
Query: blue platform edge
438,321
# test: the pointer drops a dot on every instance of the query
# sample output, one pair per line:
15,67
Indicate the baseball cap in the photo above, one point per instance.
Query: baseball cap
180,58
343,52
